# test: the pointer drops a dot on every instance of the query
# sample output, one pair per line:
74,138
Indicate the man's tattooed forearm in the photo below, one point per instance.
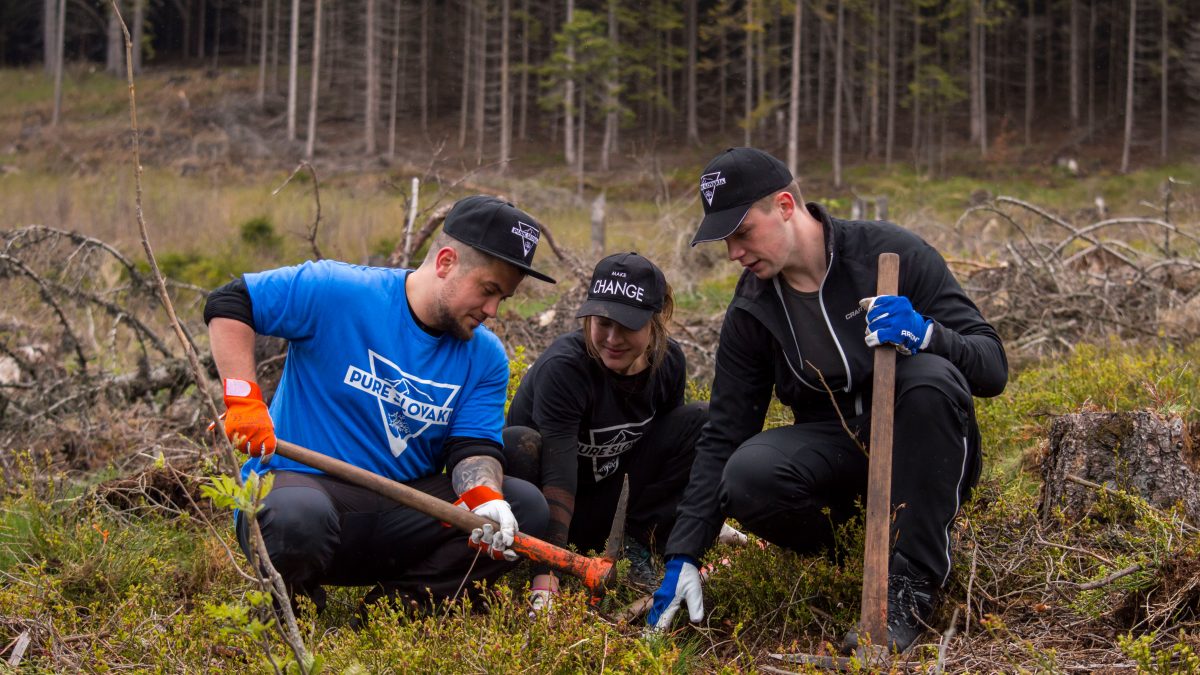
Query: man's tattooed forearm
476,471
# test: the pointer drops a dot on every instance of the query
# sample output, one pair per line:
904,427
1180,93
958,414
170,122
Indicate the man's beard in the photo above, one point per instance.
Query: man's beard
446,322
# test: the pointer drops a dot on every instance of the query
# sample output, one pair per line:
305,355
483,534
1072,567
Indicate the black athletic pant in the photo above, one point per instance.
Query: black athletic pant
320,530
777,483
658,469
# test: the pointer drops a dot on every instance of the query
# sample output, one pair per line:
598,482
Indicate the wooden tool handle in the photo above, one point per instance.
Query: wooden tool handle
879,476
596,573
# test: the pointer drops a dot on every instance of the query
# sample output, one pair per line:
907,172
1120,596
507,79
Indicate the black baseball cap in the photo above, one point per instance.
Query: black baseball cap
626,288
730,185
498,229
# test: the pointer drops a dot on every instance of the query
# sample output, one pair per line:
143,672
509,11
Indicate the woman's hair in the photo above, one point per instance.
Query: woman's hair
657,349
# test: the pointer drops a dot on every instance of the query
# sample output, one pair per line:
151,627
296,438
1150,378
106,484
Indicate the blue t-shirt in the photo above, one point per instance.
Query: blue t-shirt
363,382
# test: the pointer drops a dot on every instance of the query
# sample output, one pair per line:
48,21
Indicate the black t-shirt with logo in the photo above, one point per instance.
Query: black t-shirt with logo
590,418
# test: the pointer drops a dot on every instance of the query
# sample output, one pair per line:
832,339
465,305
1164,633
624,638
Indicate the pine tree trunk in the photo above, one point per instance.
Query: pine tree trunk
248,36
722,77
60,57
314,84
371,104
822,41
1029,39
690,26
760,42
1073,62
1164,50
481,79
569,95
1091,103
261,93
424,65
793,143
394,88
873,96
49,35
115,51
838,75
505,103
916,100
293,69
1131,45
579,150
273,79
973,67
201,32
216,50
522,125
890,142
611,118
748,75
139,32
467,63
981,34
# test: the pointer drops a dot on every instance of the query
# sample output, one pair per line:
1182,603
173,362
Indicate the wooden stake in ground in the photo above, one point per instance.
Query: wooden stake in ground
879,476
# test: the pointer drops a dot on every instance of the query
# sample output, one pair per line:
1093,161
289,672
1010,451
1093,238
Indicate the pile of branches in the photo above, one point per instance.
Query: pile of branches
1057,284
83,344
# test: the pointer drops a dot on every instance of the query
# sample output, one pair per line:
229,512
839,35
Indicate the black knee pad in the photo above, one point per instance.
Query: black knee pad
528,505
523,453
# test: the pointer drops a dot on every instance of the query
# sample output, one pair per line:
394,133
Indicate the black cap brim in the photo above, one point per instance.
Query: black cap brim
716,226
628,316
519,264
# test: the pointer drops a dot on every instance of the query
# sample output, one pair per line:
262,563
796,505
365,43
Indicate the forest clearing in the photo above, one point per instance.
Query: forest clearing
1054,169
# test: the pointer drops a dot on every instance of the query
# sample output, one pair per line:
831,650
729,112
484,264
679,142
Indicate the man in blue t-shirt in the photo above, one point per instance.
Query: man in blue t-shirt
392,371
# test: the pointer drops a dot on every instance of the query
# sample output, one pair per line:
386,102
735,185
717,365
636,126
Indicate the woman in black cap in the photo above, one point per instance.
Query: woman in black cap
604,402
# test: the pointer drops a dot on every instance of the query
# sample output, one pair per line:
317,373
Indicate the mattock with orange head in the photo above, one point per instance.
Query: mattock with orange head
596,573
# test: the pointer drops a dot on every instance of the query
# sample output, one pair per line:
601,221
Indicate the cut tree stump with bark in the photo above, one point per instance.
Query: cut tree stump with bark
1141,452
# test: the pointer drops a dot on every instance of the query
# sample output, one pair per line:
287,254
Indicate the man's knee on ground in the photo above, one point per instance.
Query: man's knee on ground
528,505
748,486
922,371
523,453
298,523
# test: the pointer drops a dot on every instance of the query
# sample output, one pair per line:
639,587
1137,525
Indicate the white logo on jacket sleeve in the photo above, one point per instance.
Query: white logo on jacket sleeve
408,405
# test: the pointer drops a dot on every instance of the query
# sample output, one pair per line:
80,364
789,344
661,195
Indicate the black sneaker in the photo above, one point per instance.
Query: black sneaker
641,564
911,601
388,593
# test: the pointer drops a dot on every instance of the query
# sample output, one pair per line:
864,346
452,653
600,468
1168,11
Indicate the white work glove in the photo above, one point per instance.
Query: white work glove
484,501
681,582
542,590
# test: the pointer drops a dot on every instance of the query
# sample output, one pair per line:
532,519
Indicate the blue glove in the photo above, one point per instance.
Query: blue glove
681,582
892,320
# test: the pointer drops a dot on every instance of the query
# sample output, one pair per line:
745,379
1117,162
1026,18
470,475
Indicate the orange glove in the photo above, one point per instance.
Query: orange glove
247,422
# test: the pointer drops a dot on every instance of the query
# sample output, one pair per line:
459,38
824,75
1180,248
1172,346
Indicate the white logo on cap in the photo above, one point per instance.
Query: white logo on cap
529,236
709,183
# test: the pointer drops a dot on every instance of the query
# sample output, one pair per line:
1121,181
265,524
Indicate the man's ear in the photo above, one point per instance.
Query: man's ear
445,261
786,203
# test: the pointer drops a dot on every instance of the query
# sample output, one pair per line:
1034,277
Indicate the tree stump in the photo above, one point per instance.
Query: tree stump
1140,452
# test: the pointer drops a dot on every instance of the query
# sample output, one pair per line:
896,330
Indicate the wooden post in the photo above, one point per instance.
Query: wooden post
879,476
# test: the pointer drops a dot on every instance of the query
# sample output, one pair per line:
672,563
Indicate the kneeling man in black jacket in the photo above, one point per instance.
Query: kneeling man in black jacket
795,327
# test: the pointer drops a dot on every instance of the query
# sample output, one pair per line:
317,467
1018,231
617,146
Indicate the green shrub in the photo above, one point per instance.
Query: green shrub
259,234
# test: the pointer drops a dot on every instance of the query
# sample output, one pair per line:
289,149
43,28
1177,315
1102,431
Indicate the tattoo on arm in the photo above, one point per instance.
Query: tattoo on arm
475,471
562,508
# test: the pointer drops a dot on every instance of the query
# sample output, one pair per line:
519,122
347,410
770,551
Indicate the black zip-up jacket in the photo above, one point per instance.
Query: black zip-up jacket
758,353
